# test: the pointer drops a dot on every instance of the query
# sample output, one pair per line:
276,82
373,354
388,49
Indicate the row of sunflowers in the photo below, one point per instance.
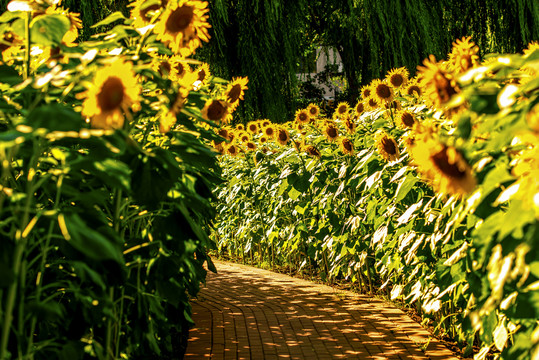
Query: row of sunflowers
105,179
426,189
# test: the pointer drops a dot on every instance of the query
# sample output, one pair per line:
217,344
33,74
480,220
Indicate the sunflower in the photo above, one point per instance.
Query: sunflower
387,146
264,123
302,116
251,146
341,110
463,55
405,119
372,104
263,139
313,110
269,131
203,72
183,25
179,69
534,45
114,91
244,137
395,105
398,78
235,90
142,15
359,108
223,132
408,140
346,146
232,150
311,150
382,92
162,65
439,84
443,166
331,132
240,127
282,136
350,126
217,111
366,91
252,127
413,89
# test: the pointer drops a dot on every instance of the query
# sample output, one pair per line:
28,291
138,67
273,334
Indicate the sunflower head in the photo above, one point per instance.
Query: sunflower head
382,92
302,116
366,91
371,103
250,146
232,149
346,146
264,123
236,90
331,132
350,126
263,139
115,90
463,56
244,137
311,150
313,110
282,136
413,89
359,108
342,110
216,111
142,14
405,119
387,146
162,65
223,132
397,78
439,84
252,127
183,25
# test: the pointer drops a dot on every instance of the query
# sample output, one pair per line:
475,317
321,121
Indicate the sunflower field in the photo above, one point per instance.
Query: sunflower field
106,179
426,188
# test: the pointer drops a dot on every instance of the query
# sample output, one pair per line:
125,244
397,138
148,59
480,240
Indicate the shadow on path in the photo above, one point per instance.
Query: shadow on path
249,313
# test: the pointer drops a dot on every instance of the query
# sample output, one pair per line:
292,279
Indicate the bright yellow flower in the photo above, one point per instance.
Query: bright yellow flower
331,132
382,92
236,90
397,78
217,111
341,110
311,150
283,137
183,25
387,146
252,127
302,116
463,55
359,108
142,16
439,85
269,131
115,90
313,110
162,65
405,119
346,146
203,72
366,91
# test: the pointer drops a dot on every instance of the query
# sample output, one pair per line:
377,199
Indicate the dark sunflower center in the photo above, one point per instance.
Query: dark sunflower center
342,109
283,136
269,131
234,93
359,108
223,133
407,119
441,160
311,150
366,93
372,103
180,69
414,89
383,91
111,95
313,111
179,19
251,145
201,75
347,145
332,132
232,149
350,125
389,146
216,111
443,87
396,80
303,117
252,128
164,68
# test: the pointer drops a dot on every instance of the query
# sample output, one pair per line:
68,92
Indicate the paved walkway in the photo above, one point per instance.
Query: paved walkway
249,313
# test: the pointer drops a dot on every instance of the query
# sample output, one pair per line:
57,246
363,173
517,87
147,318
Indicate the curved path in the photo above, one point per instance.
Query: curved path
249,313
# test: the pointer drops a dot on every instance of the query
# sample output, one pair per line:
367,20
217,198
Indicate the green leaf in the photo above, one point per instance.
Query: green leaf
48,30
405,186
55,117
9,75
110,19
88,241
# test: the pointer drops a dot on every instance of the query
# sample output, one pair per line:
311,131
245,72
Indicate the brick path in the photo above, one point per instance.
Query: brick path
249,313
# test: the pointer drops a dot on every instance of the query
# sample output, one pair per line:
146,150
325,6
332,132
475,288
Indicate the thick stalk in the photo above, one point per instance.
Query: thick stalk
20,244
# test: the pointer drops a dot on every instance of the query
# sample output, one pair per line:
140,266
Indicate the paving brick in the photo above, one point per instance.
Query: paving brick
249,313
